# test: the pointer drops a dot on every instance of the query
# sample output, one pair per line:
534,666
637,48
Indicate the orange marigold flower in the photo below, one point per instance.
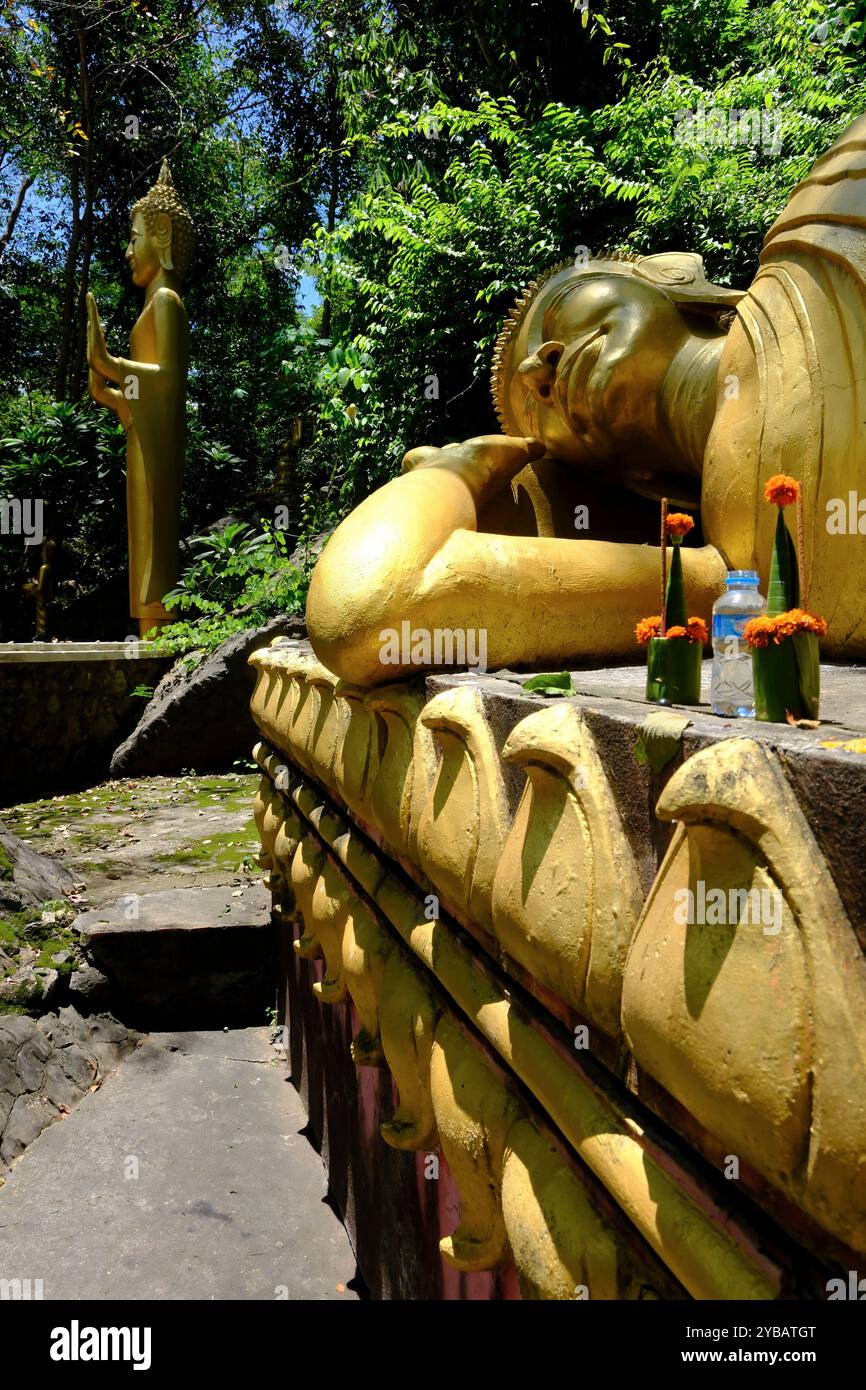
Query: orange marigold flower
798,620
782,490
759,632
697,630
677,631
647,628
678,524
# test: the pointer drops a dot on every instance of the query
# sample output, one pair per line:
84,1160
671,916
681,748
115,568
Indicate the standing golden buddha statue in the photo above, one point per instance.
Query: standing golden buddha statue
150,394
642,376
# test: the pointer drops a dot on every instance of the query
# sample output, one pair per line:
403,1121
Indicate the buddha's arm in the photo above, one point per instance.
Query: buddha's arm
97,384
170,330
411,553
110,396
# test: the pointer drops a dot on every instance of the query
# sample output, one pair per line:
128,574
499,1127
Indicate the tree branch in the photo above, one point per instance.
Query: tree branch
15,212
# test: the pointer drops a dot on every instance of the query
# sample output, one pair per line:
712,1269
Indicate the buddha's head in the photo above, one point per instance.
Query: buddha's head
584,363
162,236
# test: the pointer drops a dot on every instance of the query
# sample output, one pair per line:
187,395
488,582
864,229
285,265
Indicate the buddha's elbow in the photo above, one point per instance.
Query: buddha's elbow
354,598
340,634
370,578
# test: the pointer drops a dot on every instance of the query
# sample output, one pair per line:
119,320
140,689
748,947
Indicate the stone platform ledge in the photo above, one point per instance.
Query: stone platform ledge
561,859
26,653
843,701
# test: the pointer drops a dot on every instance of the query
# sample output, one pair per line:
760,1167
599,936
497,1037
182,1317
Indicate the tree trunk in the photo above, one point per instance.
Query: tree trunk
333,136
68,307
15,213
76,380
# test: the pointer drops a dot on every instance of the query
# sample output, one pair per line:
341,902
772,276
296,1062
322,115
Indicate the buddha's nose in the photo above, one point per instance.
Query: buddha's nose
539,370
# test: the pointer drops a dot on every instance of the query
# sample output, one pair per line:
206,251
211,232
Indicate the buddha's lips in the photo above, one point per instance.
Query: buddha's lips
570,385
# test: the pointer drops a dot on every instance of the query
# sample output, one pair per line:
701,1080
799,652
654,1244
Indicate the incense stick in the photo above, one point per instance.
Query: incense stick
801,549
663,603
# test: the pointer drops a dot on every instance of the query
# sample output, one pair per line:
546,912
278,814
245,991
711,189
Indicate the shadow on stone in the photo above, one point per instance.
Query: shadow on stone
185,957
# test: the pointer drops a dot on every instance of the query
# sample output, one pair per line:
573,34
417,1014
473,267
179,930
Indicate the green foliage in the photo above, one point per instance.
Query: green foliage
72,456
47,927
417,164
235,581
660,736
460,205
559,683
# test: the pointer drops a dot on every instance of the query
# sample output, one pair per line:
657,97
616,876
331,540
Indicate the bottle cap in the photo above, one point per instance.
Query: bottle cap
742,577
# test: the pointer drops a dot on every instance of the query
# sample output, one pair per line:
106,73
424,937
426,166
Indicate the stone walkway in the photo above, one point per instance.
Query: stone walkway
140,835
184,1177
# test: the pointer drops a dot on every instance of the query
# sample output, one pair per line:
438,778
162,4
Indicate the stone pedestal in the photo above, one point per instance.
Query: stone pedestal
569,1025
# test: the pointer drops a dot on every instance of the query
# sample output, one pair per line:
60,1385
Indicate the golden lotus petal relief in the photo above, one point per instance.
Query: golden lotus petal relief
281,676
562,1247
268,759
264,799
307,798
303,707
705,1257
307,864
366,948
517,1195
473,1114
519,1200
566,896
329,909
365,868
408,1012
406,766
269,813
356,757
327,728
464,819
755,1026
289,834
267,692
702,1248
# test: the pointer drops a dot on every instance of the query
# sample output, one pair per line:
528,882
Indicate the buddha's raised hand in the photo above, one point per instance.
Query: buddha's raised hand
99,359
98,356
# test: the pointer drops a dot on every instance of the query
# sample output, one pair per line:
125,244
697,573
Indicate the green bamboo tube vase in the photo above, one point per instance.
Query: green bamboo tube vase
787,679
673,671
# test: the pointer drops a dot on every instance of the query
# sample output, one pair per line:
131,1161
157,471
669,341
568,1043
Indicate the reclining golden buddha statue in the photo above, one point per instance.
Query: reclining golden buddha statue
614,375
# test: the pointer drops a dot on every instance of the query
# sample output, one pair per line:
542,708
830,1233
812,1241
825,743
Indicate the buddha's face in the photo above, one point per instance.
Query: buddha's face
591,389
142,253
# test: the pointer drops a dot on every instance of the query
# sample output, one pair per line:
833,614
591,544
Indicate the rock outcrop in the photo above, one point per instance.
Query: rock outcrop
199,718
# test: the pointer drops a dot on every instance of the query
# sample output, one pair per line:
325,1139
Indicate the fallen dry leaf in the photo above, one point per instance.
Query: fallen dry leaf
801,723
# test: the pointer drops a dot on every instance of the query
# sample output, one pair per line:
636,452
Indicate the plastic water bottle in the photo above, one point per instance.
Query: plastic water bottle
731,691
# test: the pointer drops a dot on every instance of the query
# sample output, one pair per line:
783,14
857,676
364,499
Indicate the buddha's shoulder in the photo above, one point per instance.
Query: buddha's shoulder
833,191
168,301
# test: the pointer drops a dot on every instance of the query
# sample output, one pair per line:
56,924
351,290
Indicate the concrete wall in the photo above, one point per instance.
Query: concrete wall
63,710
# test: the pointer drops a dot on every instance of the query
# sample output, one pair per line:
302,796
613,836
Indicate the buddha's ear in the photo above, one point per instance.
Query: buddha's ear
162,229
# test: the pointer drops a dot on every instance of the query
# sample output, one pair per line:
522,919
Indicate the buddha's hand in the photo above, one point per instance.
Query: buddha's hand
485,463
98,356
